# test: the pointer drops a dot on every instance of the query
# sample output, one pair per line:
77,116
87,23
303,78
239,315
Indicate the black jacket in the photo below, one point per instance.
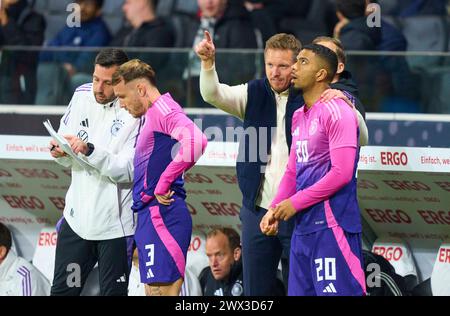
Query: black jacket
357,35
156,33
233,30
231,286
346,83
25,28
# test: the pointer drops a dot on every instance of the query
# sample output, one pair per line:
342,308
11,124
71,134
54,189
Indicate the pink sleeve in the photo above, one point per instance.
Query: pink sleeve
341,173
341,124
287,185
341,127
192,145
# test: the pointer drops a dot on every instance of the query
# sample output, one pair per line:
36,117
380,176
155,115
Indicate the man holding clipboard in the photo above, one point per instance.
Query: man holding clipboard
97,219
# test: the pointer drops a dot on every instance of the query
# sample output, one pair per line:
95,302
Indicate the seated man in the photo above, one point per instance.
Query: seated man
60,73
20,25
143,28
223,277
18,277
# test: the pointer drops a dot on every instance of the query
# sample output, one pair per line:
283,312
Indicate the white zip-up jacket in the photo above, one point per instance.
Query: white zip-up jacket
98,202
18,277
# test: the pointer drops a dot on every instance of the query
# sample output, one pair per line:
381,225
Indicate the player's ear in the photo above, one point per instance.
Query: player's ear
321,75
340,68
3,252
237,253
141,90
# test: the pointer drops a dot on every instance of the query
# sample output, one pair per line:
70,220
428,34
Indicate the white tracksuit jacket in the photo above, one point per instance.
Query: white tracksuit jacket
98,205
18,277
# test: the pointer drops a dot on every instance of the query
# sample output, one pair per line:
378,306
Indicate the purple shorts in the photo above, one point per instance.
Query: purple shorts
162,237
327,262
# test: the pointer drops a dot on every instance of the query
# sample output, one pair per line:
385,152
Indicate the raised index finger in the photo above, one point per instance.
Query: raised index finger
208,37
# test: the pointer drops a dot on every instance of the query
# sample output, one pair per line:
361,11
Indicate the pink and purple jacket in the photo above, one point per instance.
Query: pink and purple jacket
169,144
320,177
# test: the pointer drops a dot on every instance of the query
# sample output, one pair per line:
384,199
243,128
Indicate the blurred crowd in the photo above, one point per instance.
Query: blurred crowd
50,77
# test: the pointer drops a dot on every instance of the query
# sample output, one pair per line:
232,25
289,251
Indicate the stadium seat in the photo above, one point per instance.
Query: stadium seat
56,15
168,7
440,277
196,257
44,255
425,33
114,22
399,255
438,283
307,29
113,14
435,87
388,7
57,5
41,6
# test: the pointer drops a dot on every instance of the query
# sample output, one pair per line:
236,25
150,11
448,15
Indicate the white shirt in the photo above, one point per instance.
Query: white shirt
279,155
18,277
233,100
98,202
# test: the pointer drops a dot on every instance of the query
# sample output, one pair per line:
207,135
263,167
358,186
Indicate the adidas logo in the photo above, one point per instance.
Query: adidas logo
330,288
218,292
122,279
150,273
84,123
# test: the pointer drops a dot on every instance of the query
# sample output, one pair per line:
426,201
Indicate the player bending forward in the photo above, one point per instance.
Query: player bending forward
168,145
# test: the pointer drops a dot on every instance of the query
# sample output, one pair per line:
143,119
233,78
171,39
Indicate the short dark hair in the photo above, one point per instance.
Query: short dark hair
351,9
5,236
234,241
327,56
98,3
134,69
109,57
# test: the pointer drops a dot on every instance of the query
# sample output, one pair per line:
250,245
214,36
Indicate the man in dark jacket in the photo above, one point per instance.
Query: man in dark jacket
144,29
343,79
266,107
19,25
60,73
391,73
352,28
224,275
230,25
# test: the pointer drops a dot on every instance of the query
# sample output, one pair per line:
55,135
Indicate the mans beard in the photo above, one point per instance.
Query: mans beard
101,98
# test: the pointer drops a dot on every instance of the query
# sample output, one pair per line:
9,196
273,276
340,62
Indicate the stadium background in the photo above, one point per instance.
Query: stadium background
401,115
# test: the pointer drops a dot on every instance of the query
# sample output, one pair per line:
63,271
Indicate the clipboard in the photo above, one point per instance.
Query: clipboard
65,146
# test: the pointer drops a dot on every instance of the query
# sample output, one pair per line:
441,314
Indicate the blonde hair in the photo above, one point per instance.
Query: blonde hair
339,47
284,41
132,70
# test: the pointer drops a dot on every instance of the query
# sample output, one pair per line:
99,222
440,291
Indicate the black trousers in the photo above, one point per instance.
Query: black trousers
76,257
261,254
